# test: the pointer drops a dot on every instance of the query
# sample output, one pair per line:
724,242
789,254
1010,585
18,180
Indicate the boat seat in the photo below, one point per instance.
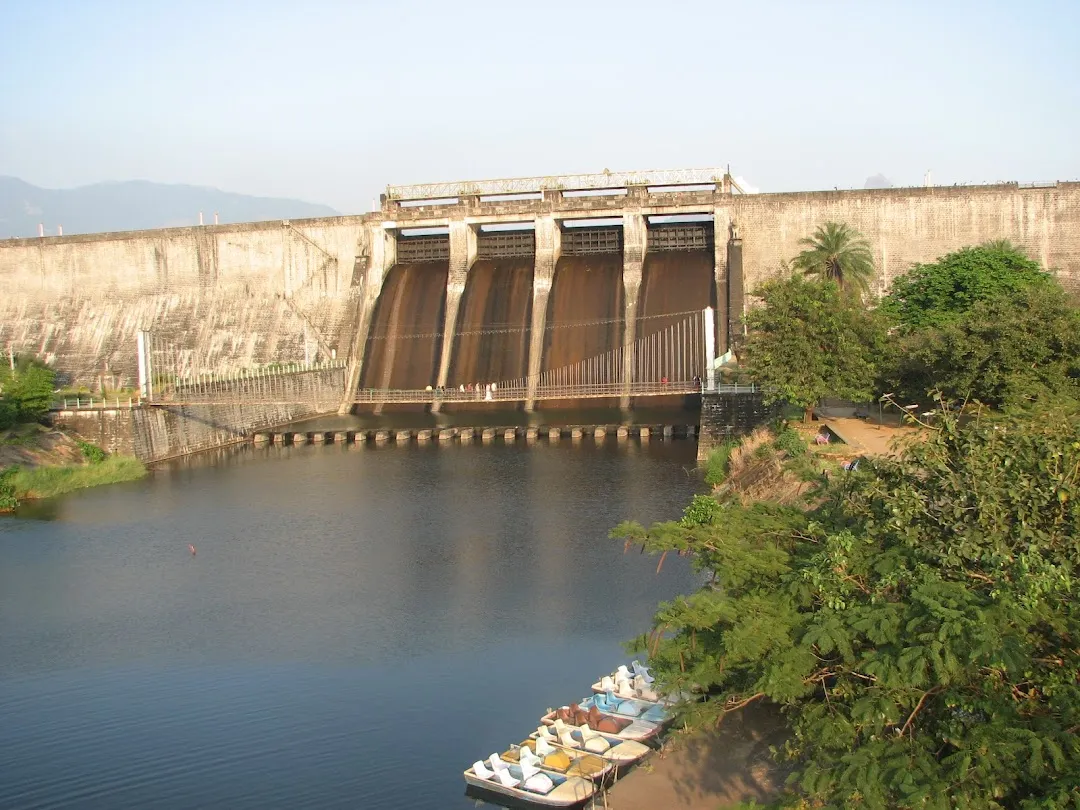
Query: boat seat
543,747
568,740
607,682
481,770
642,672
623,672
535,780
497,764
527,756
610,702
593,742
644,690
506,778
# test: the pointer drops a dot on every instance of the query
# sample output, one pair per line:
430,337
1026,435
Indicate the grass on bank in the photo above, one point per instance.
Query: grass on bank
45,482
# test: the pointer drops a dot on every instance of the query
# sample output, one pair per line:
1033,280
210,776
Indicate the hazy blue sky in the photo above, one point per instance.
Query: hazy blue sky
330,101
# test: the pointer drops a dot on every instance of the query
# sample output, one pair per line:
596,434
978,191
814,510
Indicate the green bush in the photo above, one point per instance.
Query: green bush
8,501
92,453
790,441
704,510
25,391
9,414
716,465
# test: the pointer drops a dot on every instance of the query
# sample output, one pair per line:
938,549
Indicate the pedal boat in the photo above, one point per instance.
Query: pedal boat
624,728
542,753
617,751
528,783
608,703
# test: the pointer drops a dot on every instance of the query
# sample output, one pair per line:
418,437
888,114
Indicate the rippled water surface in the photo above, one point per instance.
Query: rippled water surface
357,626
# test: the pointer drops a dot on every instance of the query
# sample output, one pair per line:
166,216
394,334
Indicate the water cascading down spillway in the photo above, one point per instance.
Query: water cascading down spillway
677,278
491,341
404,344
585,310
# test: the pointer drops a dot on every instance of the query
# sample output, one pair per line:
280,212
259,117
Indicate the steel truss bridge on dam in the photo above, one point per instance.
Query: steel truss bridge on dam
676,359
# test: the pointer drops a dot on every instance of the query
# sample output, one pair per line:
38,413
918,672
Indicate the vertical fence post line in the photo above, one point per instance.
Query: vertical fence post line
710,348
142,342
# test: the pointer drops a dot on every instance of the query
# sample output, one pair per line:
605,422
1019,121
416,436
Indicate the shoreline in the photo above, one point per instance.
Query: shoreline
37,462
710,770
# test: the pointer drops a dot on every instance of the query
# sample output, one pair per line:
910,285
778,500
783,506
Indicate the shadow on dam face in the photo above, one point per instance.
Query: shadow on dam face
491,342
584,289
672,282
405,341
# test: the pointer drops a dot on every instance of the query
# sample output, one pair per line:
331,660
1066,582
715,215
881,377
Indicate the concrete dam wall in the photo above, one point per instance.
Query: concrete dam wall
473,305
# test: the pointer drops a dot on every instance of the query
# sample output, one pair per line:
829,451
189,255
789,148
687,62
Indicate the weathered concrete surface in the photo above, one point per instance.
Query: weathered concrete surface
728,415
911,225
166,431
235,296
229,296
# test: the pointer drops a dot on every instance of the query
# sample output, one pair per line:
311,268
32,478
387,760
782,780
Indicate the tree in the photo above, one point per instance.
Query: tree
808,341
919,629
932,295
25,391
837,252
1003,350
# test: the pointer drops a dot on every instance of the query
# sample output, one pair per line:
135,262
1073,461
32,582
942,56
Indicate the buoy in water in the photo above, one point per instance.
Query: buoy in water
191,548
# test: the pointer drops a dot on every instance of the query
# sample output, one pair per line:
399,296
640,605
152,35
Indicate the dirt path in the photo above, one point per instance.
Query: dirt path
871,439
708,771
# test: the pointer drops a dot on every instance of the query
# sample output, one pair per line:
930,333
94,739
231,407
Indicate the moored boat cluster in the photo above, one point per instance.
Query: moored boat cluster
579,748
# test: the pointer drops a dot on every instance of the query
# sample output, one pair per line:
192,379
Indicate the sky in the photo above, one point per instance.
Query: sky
331,100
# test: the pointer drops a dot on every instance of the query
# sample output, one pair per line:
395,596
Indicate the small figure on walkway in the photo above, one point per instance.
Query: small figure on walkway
191,548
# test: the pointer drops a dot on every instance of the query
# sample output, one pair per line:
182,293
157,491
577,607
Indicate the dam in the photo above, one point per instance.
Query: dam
452,284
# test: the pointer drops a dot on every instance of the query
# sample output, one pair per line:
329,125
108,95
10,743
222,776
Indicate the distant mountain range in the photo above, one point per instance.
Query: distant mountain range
134,205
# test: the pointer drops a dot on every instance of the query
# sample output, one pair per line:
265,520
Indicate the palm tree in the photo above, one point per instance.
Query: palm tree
837,252
1003,246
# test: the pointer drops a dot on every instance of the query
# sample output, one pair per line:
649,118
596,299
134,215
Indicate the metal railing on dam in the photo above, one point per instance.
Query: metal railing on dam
423,396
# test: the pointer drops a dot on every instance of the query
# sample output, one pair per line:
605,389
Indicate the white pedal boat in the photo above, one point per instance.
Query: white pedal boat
569,761
624,728
529,783
635,685
611,748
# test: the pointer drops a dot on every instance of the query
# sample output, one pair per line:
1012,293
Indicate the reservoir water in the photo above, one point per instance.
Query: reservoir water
357,626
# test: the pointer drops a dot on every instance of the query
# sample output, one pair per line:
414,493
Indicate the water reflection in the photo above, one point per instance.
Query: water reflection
350,613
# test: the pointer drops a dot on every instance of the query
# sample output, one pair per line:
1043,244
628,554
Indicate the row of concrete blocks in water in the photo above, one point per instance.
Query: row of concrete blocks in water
469,435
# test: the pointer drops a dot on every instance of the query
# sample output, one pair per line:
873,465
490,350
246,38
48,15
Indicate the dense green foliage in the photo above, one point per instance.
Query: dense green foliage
919,628
716,463
934,295
809,341
8,499
983,323
25,391
839,253
1003,350
789,441
92,453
